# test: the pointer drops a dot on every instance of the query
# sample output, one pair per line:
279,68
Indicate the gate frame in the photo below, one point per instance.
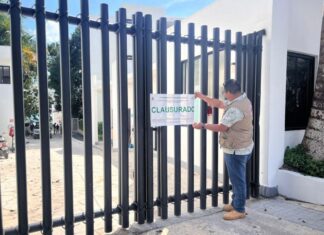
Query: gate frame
249,51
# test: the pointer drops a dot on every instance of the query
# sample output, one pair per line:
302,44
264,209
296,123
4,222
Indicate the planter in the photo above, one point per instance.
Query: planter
300,187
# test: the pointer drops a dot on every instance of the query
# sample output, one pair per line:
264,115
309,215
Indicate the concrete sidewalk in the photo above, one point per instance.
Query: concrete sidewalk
265,216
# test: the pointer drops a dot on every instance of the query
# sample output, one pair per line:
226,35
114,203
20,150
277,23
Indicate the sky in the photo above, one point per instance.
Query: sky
173,8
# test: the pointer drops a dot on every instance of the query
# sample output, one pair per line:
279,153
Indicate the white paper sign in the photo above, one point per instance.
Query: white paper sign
172,110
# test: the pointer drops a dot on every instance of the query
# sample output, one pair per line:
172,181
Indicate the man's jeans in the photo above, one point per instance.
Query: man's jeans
236,166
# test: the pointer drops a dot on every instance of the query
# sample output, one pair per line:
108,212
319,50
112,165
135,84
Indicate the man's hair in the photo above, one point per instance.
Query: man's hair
232,86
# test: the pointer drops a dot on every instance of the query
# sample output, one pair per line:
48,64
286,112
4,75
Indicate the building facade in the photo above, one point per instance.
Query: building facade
289,63
6,91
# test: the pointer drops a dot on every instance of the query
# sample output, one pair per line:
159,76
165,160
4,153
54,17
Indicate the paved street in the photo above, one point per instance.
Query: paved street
265,216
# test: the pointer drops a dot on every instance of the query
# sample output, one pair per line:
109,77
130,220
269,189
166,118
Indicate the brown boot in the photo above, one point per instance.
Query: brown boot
228,208
233,215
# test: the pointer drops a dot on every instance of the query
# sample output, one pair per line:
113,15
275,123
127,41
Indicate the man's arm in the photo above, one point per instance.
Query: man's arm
210,101
216,127
211,127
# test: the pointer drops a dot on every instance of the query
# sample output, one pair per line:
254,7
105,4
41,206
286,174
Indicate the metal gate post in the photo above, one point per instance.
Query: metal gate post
44,117
190,140
163,130
106,117
215,117
258,64
139,101
203,117
149,130
1,224
87,123
227,76
177,129
66,113
16,61
123,117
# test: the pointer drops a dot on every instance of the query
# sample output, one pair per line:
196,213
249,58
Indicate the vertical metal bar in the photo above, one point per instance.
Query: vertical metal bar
253,100
177,129
249,91
149,131
1,224
155,140
227,77
158,130
163,138
135,117
243,80
66,108
227,54
44,119
191,87
203,137
139,115
106,117
257,115
119,125
248,179
249,70
238,70
215,117
87,125
123,116
16,62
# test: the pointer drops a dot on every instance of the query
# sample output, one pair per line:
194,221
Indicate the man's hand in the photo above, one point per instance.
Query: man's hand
197,125
204,98
198,95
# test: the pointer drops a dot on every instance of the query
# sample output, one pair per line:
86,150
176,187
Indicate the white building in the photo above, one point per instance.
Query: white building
290,53
6,91
96,72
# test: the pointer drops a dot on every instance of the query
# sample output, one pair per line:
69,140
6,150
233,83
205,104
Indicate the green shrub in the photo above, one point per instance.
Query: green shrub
298,159
100,130
81,124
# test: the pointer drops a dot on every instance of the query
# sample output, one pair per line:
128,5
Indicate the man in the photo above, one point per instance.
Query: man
236,133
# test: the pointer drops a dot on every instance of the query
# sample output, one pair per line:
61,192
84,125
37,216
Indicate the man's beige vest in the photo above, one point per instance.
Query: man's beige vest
240,134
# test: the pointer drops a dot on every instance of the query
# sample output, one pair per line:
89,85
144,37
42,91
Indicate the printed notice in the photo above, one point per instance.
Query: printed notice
172,110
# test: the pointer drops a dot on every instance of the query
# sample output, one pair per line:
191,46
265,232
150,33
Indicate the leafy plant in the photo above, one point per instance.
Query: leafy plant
298,159
100,130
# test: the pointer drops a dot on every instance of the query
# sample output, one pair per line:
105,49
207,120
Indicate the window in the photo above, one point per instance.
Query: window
299,90
4,74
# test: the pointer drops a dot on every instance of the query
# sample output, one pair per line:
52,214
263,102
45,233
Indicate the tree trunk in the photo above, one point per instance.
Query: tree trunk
314,137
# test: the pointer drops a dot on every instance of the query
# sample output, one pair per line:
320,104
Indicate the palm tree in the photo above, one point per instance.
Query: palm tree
314,137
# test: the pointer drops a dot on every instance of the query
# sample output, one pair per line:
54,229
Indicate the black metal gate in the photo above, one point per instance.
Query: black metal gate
248,50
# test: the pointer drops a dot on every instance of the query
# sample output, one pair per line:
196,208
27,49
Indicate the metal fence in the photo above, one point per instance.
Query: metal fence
248,50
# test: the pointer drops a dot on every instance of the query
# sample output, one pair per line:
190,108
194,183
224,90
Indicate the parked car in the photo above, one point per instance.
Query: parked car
4,150
32,127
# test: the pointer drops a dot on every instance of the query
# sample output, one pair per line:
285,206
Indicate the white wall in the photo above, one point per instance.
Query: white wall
305,26
296,27
304,37
274,110
293,138
6,94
